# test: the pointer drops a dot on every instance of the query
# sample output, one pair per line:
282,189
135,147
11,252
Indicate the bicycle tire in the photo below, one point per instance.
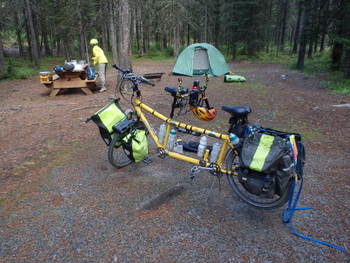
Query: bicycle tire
116,154
248,197
124,89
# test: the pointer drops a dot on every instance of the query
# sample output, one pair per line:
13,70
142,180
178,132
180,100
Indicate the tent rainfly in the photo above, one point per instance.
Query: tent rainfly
199,59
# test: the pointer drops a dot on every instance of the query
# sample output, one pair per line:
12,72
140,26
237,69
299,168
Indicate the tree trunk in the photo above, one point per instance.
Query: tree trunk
45,39
29,48
104,36
124,29
113,31
346,63
188,28
284,23
297,27
2,60
81,39
337,52
324,25
217,23
206,23
346,49
18,34
310,47
304,34
58,47
316,41
140,32
32,33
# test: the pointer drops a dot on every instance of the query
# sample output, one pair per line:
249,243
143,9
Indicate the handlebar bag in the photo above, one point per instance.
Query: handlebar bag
105,118
261,151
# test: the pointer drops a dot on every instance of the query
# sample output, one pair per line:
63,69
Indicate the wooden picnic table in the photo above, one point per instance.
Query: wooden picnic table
69,80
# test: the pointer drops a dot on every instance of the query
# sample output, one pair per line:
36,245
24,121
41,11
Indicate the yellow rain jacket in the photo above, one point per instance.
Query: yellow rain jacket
98,57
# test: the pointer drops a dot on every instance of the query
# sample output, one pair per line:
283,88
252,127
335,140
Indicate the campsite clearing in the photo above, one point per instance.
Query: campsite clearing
61,201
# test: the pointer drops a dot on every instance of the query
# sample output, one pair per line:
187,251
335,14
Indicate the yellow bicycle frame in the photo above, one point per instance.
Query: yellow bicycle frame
139,106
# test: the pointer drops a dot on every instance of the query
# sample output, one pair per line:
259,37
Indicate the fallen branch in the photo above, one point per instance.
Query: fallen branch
85,108
342,105
162,198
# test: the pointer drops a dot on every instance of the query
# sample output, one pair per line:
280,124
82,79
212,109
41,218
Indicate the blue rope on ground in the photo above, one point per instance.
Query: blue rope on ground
288,214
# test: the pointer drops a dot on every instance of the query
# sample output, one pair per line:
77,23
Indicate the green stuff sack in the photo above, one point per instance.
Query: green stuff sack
261,151
106,118
136,145
234,78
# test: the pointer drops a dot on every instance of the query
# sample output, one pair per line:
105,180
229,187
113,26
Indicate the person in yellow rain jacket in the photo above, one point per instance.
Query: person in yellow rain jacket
99,59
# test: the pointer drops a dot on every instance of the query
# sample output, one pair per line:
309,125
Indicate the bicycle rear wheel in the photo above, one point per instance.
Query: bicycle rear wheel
232,160
117,155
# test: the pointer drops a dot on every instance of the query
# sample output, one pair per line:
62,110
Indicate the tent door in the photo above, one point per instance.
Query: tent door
200,61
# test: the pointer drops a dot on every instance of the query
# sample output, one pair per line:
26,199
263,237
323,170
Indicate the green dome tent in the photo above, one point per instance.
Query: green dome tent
198,59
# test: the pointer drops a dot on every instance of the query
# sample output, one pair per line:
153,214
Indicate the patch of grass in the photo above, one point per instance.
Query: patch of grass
308,133
252,85
155,54
319,64
22,68
334,80
337,83
272,57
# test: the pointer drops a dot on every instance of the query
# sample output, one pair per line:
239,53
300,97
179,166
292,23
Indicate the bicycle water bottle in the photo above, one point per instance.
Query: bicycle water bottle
171,140
234,138
202,146
161,133
215,152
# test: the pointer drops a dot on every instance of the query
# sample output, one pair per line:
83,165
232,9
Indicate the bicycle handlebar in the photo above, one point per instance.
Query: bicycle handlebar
146,81
124,71
134,77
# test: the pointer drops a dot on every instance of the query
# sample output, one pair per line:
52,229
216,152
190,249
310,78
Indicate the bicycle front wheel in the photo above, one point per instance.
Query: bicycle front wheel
117,155
125,89
232,161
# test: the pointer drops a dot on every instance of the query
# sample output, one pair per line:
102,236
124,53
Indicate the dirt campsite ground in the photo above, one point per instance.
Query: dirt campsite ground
61,201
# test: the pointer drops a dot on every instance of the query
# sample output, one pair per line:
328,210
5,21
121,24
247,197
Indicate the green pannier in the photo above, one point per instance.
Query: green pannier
136,144
234,78
106,118
110,119
261,151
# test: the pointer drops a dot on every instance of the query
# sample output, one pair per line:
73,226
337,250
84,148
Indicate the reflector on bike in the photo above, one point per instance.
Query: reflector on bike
261,151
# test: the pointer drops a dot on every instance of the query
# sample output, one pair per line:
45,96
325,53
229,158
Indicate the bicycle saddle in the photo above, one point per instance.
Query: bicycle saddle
239,111
173,91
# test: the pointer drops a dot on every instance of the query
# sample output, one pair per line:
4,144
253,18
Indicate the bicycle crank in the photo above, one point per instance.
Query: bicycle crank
196,169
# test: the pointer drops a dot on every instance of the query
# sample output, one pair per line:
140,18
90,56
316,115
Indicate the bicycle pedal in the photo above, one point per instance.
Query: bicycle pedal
147,160
193,172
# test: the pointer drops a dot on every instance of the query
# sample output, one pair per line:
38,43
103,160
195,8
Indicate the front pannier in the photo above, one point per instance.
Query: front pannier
107,117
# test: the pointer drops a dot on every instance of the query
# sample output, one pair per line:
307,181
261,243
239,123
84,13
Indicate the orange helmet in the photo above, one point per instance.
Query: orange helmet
204,114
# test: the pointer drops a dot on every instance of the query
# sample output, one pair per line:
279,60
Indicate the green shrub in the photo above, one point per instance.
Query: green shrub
22,68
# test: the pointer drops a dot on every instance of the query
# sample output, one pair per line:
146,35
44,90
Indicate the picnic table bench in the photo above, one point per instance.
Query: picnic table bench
153,75
68,80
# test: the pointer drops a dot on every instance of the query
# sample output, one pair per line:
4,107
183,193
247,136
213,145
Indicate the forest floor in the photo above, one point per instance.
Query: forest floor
61,201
